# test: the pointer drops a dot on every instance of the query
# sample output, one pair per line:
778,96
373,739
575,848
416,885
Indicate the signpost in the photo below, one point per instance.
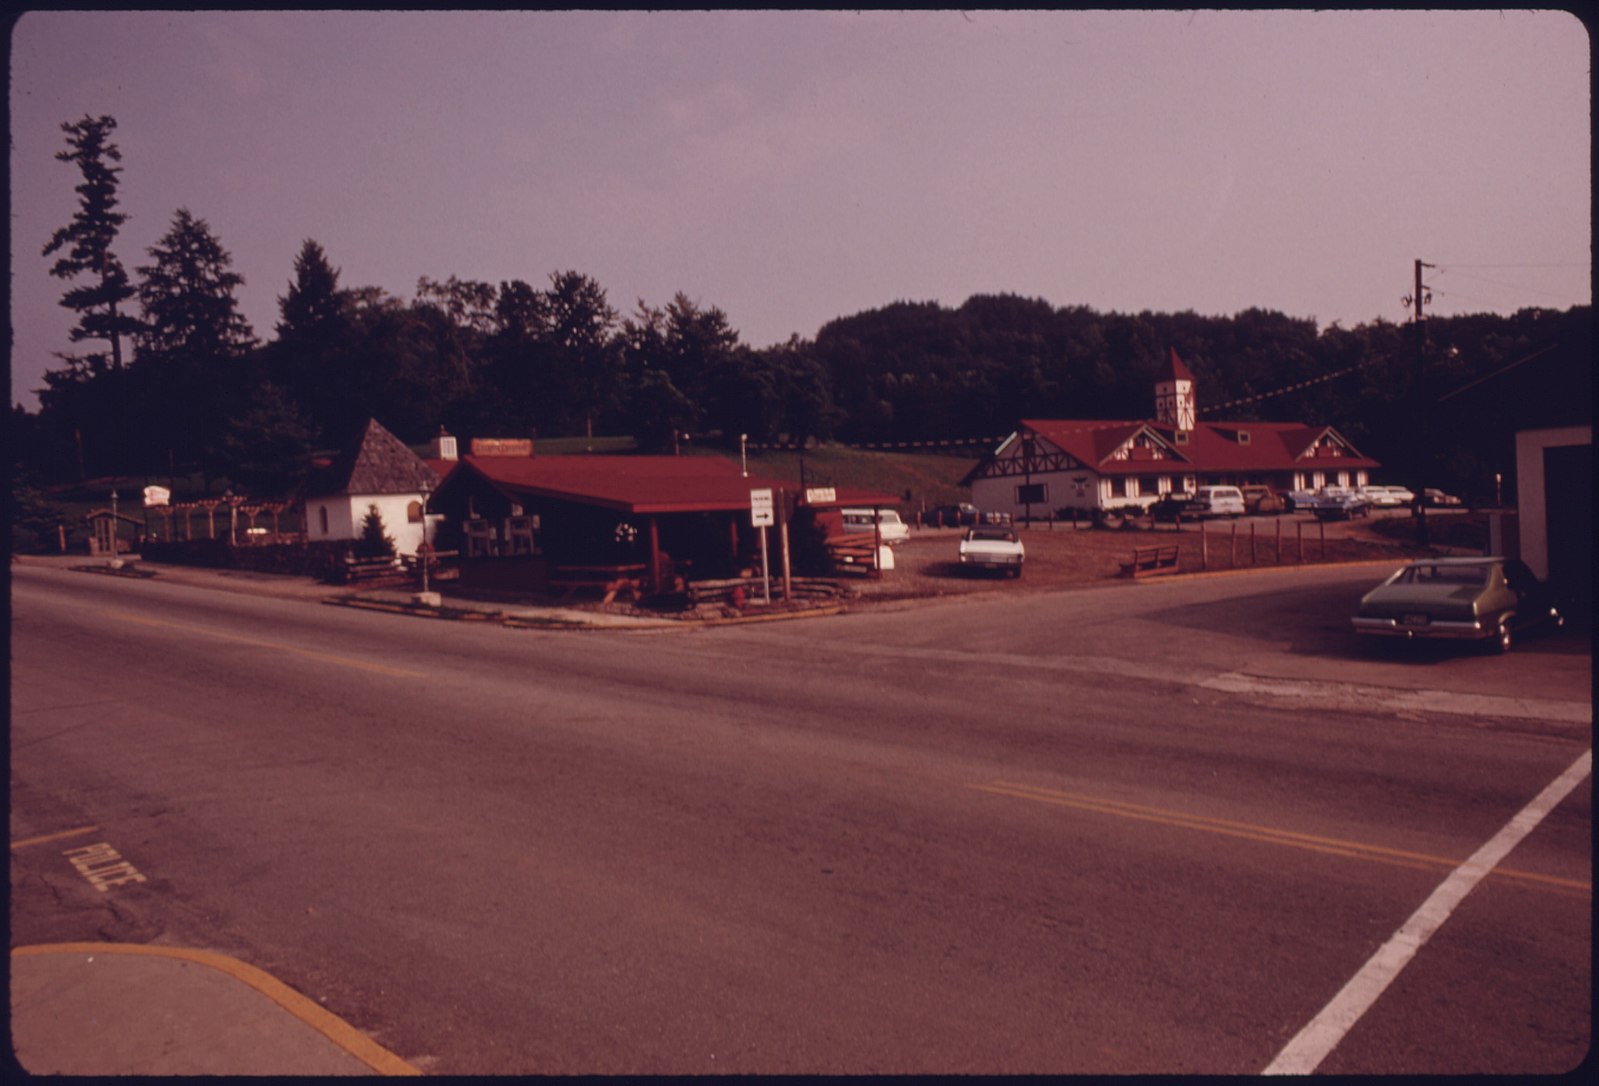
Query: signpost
761,517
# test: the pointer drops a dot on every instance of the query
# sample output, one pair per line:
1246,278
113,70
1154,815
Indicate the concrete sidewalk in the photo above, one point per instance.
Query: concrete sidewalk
123,1009
513,610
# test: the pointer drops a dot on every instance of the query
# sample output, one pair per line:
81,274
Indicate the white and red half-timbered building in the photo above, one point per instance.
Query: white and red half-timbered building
1049,465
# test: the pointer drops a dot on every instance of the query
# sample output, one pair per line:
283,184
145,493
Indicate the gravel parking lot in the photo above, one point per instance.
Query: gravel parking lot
1061,555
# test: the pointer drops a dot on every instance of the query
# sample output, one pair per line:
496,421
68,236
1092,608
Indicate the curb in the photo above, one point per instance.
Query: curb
330,1025
1286,567
523,622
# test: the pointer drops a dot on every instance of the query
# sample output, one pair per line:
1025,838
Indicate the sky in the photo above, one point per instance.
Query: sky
793,167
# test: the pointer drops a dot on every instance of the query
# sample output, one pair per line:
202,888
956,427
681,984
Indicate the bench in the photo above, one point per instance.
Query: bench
1151,561
369,569
436,571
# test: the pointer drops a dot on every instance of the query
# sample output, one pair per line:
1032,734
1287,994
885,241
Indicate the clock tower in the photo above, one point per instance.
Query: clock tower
1174,396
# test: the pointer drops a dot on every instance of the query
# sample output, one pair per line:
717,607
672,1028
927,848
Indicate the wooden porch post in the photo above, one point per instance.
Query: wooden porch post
655,558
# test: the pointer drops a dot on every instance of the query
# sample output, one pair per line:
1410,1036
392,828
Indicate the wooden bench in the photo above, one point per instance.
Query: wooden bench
370,569
1151,561
436,570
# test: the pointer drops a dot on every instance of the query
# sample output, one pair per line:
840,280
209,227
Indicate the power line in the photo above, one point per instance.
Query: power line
1442,269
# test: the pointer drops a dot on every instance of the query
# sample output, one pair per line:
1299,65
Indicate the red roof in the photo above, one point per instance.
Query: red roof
1211,446
630,484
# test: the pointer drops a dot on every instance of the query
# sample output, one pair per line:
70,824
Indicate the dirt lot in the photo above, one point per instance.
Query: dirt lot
1065,556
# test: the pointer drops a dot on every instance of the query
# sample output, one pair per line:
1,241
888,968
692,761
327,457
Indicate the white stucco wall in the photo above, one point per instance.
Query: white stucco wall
1531,497
1061,492
346,513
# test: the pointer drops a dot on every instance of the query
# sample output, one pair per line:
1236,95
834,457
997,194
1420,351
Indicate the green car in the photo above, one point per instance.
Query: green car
1470,599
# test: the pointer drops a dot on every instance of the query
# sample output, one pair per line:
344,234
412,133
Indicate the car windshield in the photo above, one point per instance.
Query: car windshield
992,533
1444,574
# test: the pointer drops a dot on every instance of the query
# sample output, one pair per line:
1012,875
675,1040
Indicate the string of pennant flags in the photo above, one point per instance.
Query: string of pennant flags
956,442
1323,379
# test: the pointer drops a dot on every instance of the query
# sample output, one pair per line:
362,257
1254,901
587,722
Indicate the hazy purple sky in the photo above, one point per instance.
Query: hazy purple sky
793,167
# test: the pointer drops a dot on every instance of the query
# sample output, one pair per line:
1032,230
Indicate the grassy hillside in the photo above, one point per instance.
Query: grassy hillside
918,479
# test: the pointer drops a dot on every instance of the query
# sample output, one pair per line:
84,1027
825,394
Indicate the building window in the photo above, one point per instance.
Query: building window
413,512
1181,437
1032,494
1243,437
322,518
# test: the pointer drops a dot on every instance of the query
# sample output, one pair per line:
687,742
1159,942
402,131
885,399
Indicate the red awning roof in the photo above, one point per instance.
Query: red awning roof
630,484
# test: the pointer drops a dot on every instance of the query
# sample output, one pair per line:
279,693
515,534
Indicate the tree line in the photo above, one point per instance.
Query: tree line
169,377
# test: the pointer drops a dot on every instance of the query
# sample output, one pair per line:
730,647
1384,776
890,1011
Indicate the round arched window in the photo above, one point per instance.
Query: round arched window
413,512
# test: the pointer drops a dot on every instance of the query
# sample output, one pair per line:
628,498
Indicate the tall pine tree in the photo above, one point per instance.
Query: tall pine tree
195,340
85,243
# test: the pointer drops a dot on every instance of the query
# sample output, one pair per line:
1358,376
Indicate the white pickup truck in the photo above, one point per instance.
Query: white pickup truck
992,546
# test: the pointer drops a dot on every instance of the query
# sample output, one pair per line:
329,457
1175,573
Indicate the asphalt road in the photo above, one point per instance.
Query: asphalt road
1148,828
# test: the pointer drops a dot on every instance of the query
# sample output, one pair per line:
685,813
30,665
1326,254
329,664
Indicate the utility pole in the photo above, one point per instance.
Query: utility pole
1419,415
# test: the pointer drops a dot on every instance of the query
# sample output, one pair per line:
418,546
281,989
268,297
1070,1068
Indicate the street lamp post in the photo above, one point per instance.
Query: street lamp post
425,551
424,555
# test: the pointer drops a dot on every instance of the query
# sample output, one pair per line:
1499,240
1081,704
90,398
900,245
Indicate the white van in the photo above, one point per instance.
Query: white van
1218,501
893,529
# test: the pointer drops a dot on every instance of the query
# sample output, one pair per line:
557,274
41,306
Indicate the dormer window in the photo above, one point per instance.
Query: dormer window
1181,437
1243,437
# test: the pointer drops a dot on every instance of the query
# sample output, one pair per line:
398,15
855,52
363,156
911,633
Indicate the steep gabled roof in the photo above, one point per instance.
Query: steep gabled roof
376,463
1093,441
1179,372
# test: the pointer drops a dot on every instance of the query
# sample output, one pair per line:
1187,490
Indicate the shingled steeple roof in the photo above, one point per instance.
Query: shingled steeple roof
378,463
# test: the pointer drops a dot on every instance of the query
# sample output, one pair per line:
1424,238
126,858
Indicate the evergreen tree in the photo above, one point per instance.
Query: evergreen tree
311,357
264,448
88,238
374,541
194,342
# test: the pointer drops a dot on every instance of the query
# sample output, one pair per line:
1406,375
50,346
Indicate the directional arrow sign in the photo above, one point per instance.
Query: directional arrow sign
761,508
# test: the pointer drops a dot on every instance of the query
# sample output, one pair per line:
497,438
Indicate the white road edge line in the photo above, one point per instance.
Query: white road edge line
1322,1034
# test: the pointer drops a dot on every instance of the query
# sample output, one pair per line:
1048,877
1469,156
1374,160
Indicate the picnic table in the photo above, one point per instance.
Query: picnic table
614,580
1151,561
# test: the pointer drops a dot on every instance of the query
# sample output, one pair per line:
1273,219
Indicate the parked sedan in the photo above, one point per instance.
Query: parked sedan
1433,496
1471,599
950,516
1339,503
992,546
1299,501
1263,500
1382,497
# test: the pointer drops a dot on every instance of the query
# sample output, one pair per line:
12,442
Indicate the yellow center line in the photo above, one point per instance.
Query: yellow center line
1249,831
79,832
345,661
